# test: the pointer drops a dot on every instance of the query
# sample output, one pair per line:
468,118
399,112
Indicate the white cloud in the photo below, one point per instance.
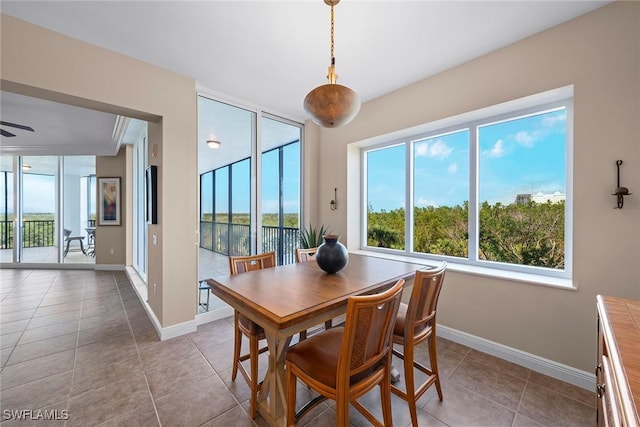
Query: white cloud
551,121
422,202
497,150
437,149
453,167
525,138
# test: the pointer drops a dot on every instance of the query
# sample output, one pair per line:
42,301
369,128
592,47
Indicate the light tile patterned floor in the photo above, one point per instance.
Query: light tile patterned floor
80,341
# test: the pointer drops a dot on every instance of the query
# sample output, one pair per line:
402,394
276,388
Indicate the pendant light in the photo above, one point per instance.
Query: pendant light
332,105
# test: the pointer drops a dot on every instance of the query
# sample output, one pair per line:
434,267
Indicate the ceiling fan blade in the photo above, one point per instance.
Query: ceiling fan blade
5,133
23,127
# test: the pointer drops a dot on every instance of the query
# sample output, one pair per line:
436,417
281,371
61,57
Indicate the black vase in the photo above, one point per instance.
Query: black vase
332,256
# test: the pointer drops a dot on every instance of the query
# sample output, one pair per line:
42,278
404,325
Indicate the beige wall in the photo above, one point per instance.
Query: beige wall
599,53
84,75
114,237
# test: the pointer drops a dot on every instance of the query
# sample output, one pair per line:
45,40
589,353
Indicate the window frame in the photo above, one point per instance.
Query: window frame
532,105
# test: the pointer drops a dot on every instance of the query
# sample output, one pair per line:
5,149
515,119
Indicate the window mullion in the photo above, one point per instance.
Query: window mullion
473,213
408,198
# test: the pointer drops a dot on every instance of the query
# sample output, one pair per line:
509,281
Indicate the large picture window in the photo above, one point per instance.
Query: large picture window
490,190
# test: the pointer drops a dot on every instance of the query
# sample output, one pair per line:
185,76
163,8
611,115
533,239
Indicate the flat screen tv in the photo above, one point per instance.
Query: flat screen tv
151,194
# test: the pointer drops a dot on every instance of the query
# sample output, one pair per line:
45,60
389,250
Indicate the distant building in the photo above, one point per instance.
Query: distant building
524,198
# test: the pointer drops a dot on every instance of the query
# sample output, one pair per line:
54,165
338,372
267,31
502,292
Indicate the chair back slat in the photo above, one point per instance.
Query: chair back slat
306,254
424,297
367,335
242,264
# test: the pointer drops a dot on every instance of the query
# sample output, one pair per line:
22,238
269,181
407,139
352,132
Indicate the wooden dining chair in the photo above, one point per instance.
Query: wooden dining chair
305,255
344,363
244,326
416,322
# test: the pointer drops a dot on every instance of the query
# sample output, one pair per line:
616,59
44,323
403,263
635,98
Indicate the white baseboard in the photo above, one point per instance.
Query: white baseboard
109,267
217,314
539,364
178,329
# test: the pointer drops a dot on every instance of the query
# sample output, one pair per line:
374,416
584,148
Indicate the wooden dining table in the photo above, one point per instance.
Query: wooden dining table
288,299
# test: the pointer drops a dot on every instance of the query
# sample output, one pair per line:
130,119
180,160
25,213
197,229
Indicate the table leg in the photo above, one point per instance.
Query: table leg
272,398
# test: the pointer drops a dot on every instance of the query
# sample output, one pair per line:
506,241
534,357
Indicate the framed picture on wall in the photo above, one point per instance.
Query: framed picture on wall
109,201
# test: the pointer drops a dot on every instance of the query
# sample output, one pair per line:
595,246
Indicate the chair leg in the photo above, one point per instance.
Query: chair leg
66,251
253,360
237,343
328,324
292,383
385,397
409,378
342,408
433,359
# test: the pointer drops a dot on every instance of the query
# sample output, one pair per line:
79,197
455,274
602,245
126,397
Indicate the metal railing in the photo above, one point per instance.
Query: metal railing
235,239
35,233
220,237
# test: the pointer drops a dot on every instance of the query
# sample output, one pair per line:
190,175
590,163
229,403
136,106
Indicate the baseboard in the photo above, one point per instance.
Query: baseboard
140,288
109,267
217,314
539,364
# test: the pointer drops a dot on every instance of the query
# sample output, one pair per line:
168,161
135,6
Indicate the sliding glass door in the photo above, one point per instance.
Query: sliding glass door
48,209
249,167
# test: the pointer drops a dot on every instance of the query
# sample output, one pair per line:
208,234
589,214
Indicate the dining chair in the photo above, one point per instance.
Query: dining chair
305,255
416,322
344,363
68,238
244,326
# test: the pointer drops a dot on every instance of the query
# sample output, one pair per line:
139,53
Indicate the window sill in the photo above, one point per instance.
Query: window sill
532,279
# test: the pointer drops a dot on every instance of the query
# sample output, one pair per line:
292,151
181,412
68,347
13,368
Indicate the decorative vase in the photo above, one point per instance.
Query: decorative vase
332,256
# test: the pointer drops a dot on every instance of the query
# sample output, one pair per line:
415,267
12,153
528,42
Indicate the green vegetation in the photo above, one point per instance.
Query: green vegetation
269,219
528,234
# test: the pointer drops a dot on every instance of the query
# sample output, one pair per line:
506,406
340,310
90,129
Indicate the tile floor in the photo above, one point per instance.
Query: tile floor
80,342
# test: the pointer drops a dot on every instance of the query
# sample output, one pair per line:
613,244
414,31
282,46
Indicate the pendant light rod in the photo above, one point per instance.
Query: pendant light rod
332,105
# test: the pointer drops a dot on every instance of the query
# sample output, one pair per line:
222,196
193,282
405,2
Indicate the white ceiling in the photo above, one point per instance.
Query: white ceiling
270,54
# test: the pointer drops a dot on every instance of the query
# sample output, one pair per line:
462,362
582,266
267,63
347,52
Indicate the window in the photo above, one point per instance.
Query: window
488,189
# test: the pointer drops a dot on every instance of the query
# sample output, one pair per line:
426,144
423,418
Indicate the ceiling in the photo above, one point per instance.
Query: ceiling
270,54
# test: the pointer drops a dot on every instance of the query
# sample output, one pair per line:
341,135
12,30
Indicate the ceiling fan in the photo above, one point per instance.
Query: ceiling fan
13,125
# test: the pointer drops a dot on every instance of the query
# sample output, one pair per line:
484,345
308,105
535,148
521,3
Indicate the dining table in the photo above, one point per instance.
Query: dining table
288,299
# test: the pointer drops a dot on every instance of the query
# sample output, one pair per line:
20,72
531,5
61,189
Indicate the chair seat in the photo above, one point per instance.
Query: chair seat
318,356
250,326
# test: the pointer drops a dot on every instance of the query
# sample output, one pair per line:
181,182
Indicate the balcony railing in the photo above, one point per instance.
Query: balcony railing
220,237
35,233
234,239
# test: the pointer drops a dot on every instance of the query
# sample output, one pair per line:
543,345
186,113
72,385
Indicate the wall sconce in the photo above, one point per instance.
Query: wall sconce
620,191
333,205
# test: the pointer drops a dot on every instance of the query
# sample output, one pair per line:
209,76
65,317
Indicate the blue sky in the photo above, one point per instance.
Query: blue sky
525,155
41,197
270,184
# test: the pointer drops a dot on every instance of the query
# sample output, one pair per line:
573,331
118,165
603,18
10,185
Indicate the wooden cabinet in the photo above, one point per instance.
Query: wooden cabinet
618,366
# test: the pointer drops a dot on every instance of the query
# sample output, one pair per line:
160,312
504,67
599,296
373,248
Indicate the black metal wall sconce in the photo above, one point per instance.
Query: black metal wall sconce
620,191
333,205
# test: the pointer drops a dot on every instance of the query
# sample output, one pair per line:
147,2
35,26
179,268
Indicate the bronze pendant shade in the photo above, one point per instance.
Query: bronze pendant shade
332,105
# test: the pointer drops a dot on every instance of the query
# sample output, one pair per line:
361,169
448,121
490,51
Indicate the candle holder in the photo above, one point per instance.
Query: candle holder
620,191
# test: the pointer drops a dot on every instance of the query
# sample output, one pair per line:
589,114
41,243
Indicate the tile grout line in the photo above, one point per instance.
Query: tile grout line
75,352
524,389
135,342
57,273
